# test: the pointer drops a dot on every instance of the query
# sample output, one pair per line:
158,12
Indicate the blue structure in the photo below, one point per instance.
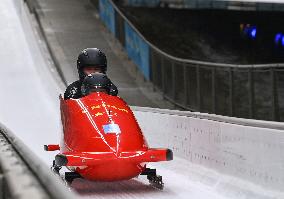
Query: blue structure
107,14
137,49
146,3
278,36
253,32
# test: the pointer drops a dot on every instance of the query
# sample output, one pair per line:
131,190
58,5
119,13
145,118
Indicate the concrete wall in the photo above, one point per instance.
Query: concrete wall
254,154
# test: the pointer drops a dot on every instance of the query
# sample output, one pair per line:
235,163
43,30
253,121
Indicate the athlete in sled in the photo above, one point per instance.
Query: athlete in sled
102,140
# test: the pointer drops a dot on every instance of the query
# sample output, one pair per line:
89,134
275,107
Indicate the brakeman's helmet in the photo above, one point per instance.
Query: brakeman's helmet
96,82
91,57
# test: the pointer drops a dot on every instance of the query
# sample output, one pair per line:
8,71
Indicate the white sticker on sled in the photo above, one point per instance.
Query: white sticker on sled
111,128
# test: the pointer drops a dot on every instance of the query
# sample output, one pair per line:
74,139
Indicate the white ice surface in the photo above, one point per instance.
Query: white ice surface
29,94
177,184
29,106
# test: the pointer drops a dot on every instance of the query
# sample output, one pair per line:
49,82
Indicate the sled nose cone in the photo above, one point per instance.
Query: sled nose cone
61,160
169,155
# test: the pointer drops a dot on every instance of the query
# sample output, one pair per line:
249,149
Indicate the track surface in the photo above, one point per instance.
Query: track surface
29,106
29,93
181,181
68,37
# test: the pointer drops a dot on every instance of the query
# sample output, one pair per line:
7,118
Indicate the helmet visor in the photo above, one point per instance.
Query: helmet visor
98,89
89,90
92,69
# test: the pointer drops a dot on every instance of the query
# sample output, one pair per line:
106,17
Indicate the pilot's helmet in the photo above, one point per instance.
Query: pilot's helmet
91,57
96,82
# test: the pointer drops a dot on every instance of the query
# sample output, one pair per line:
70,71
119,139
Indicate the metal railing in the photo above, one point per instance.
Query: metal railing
246,91
211,4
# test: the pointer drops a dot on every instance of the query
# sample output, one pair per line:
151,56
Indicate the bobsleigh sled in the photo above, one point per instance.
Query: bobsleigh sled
102,141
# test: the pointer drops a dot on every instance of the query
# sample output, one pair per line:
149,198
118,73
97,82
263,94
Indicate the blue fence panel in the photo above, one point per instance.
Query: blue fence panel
137,49
147,3
107,14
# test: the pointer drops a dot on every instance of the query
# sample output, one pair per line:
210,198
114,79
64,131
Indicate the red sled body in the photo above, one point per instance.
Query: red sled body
102,140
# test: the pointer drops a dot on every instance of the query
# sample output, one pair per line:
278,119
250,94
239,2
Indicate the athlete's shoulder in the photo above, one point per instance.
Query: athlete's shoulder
73,90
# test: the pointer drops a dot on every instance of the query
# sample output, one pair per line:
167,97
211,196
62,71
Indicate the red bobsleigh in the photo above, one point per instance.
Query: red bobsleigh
102,141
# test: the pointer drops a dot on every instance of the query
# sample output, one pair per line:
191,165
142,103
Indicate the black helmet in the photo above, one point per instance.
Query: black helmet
94,83
91,57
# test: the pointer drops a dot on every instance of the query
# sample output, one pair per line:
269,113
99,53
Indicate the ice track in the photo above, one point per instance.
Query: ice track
29,107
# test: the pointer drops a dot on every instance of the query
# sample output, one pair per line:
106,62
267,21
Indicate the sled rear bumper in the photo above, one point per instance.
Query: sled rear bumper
51,147
93,158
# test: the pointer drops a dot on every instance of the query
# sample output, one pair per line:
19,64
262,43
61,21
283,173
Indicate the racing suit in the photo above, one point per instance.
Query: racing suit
74,90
